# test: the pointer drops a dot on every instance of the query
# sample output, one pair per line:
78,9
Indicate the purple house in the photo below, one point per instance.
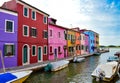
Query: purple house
56,40
8,37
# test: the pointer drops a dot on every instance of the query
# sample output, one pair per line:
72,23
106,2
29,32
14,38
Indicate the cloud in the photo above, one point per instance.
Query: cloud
102,16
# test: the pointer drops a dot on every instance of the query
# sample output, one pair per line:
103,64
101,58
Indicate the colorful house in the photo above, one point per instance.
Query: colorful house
77,41
86,44
71,42
32,32
96,42
82,40
8,37
91,39
57,40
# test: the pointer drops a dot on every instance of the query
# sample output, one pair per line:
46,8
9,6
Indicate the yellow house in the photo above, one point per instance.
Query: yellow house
71,42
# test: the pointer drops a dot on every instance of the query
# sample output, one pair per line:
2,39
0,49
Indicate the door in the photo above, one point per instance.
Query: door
25,55
55,53
65,53
39,54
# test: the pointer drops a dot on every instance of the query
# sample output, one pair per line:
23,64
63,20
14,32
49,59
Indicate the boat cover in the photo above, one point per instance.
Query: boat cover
5,77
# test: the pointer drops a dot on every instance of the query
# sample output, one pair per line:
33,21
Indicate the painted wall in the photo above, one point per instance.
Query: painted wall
38,24
8,37
82,43
55,41
91,40
71,42
86,44
77,43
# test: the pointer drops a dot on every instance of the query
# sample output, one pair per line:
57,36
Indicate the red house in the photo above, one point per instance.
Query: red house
32,32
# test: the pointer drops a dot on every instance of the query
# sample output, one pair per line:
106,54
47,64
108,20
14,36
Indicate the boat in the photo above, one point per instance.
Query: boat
56,66
113,58
97,54
106,72
15,77
117,54
78,59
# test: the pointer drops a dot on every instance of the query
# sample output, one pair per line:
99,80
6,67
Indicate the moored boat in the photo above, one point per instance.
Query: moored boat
106,72
78,59
55,66
113,58
15,77
97,54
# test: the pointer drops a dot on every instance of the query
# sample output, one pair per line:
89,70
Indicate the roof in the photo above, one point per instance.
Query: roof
8,10
32,7
58,26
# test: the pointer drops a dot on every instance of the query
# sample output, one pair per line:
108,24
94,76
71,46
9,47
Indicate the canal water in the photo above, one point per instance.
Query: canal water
75,72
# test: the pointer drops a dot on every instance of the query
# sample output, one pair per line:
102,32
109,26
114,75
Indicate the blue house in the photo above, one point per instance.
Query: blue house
91,39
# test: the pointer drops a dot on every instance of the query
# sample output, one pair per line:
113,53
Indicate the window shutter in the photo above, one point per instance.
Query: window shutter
13,49
5,51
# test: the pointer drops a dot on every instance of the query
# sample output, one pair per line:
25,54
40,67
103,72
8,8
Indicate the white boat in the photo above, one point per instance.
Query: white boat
15,77
78,59
58,65
106,71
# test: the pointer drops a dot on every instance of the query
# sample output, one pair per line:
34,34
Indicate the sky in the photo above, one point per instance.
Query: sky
101,16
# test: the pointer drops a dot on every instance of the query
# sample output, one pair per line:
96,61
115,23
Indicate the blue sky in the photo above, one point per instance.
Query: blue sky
101,16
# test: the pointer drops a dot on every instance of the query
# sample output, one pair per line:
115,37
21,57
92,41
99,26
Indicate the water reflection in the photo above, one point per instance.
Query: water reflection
74,73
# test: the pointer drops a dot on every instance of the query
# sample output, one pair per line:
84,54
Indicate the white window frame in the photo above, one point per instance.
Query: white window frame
47,34
27,31
35,50
32,14
46,49
9,44
6,26
27,12
36,30
46,19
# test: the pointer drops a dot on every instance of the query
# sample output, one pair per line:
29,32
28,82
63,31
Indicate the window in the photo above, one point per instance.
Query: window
65,35
9,26
9,49
33,15
59,35
50,33
33,32
45,50
33,50
25,30
68,36
26,12
45,34
45,19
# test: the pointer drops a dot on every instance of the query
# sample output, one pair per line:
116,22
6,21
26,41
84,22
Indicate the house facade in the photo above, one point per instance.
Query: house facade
71,42
32,32
82,40
96,42
8,37
56,40
91,39
86,44
77,41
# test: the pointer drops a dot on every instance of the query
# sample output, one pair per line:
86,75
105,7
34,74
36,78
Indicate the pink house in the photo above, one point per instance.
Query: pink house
82,37
86,44
56,40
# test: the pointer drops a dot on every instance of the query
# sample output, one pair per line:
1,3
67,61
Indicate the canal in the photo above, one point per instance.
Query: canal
75,72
